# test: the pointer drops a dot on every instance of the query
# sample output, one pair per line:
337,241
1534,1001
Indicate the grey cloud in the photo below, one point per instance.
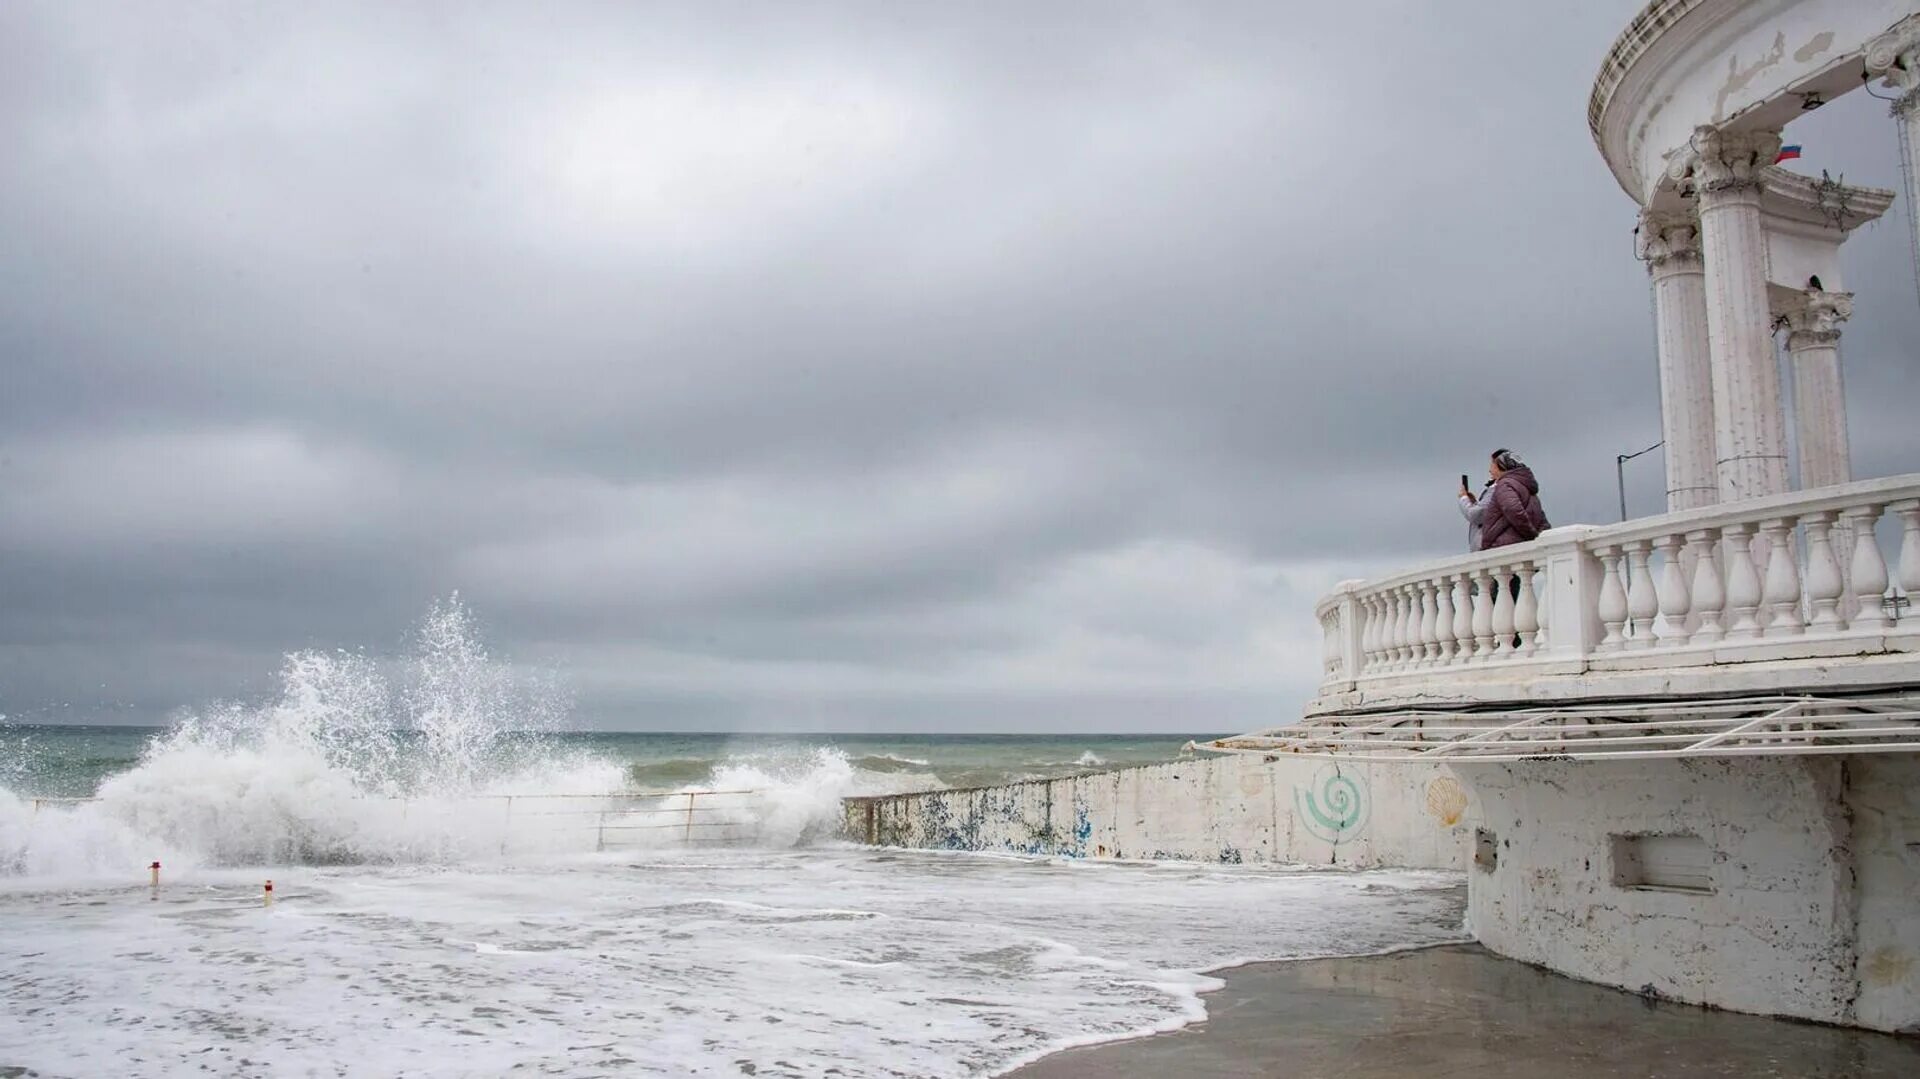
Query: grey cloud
890,359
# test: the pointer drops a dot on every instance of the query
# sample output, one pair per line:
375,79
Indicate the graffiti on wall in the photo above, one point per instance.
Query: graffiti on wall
1334,806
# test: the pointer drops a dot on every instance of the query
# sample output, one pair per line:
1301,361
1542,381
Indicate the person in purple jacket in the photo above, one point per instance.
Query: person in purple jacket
1512,514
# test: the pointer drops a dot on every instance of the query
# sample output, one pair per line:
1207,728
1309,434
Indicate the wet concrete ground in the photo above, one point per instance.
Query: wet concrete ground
1460,1011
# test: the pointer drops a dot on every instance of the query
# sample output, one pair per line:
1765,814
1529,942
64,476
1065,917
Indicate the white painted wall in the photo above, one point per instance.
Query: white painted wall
1883,801
1815,907
1230,808
1815,861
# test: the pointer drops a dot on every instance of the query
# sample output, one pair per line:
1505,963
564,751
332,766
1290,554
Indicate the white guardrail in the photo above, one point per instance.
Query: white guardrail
613,820
1791,577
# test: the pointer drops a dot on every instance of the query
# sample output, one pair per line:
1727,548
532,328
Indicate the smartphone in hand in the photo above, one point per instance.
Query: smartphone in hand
1463,482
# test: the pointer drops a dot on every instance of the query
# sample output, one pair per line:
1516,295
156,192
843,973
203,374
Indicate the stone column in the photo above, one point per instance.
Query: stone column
1749,422
1819,403
1895,57
1670,244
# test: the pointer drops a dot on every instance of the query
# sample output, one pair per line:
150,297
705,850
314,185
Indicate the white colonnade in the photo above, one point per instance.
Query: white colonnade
1670,244
1739,250
1749,420
1819,401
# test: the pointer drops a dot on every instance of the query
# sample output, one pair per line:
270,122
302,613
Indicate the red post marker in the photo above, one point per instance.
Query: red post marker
155,870
267,896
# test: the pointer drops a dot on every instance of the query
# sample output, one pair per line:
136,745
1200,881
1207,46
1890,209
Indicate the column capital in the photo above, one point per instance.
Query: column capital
1894,57
1716,161
1816,319
1668,241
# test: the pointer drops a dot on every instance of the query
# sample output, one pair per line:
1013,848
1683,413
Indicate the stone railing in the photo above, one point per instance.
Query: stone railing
1755,595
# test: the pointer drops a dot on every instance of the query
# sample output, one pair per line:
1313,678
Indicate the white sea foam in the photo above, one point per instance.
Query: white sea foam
793,962
458,897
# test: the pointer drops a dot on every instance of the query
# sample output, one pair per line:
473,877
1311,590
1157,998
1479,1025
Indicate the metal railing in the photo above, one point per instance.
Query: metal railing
1754,726
703,815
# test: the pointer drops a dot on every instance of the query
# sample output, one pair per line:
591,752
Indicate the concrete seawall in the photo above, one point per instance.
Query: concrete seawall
1227,809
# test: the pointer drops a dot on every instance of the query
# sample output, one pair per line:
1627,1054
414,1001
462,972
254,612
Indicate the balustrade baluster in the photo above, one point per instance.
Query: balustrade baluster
1613,599
1781,592
1391,623
1672,592
1463,614
1709,595
1443,618
1389,630
1502,613
1642,602
1365,643
1382,635
1743,583
1869,582
1383,602
1483,615
1396,629
1369,632
1526,611
1429,624
1412,626
1825,586
1909,563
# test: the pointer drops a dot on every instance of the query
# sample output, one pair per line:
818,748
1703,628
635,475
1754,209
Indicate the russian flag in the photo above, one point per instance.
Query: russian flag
1788,153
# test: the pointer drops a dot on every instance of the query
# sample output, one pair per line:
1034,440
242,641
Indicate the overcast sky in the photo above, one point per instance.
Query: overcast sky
818,367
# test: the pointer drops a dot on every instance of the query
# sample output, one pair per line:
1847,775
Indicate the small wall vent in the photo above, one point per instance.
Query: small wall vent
1678,863
1486,850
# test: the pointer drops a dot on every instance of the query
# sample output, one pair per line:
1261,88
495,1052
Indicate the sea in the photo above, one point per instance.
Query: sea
410,867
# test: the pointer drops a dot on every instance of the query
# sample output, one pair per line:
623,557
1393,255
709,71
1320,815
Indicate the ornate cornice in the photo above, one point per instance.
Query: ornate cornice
1895,58
1653,20
1816,321
1823,203
1716,160
1668,241
1719,160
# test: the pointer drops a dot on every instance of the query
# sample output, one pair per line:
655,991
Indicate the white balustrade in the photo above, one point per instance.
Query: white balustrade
1463,616
1443,618
1483,615
1730,583
1673,593
1743,582
1642,603
1613,599
1909,514
1406,635
1780,591
1429,623
1526,611
1824,583
1709,595
1869,569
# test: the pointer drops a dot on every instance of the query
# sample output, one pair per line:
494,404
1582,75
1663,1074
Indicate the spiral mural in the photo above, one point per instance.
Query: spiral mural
1333,807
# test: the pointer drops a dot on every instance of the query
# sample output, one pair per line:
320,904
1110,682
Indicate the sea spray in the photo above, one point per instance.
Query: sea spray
340,767
450,759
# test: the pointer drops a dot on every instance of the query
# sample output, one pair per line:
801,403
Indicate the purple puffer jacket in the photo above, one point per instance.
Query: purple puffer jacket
1514,514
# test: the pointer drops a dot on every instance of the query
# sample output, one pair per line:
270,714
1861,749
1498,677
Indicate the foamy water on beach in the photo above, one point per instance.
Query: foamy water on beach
846,962
459,893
